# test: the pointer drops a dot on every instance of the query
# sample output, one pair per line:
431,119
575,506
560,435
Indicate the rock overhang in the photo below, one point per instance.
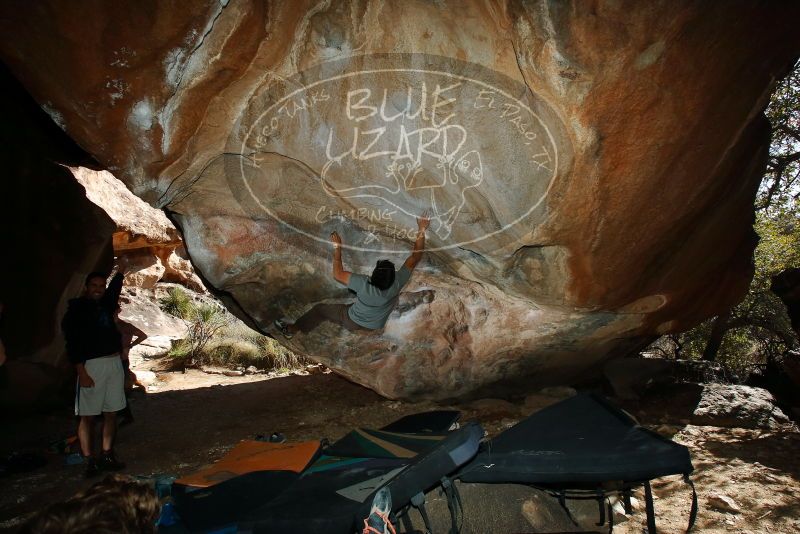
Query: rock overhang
653,160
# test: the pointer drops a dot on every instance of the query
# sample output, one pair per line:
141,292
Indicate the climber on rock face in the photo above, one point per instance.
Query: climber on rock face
376,295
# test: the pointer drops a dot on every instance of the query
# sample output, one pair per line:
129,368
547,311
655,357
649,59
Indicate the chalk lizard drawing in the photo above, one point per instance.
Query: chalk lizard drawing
407,176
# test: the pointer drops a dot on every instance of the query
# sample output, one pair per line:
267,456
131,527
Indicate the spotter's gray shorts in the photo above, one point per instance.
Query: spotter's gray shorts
108,393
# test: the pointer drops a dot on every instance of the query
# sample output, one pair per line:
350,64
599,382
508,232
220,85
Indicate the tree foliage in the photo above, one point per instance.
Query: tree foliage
780,188
758,330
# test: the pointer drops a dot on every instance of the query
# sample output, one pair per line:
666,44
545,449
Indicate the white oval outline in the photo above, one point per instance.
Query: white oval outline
372,71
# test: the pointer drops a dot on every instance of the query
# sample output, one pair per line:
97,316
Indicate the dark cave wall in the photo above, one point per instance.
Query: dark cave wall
52,236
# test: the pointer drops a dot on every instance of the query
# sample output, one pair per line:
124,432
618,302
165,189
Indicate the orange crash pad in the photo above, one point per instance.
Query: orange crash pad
249,456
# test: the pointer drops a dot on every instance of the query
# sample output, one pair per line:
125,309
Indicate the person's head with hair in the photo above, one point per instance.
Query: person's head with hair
383,275
117,505
95,285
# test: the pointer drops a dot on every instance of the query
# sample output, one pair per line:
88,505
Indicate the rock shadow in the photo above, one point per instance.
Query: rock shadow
782,447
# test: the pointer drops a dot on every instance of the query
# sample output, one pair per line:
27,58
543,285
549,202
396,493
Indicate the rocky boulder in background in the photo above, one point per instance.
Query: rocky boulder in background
590,168
737,406
144,234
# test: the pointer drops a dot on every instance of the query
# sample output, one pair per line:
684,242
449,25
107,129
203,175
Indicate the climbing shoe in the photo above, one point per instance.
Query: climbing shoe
283,328
378,521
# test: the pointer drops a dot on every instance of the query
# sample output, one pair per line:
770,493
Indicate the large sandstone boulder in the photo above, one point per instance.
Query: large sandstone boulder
144,235
141,308
138,224
144,269
581,162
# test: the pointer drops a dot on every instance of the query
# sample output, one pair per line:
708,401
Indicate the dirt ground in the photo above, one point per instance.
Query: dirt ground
188,420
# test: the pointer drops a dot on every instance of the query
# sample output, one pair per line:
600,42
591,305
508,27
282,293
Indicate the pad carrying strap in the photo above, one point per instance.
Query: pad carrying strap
648,504
454,504
418,501
693,512
601,508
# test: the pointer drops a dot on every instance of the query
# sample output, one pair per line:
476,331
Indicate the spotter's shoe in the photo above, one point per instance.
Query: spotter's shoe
109,462
92,468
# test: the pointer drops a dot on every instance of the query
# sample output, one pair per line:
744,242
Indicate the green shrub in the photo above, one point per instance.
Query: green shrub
282,359
249,347
214,337
264,353
204,322
234,353
234,345
177,302
180,352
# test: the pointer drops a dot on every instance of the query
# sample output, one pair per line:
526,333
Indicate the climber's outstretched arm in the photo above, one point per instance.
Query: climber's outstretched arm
339,274
419,245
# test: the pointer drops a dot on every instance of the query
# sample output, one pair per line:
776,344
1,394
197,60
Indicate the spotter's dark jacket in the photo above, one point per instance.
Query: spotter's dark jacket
89,327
